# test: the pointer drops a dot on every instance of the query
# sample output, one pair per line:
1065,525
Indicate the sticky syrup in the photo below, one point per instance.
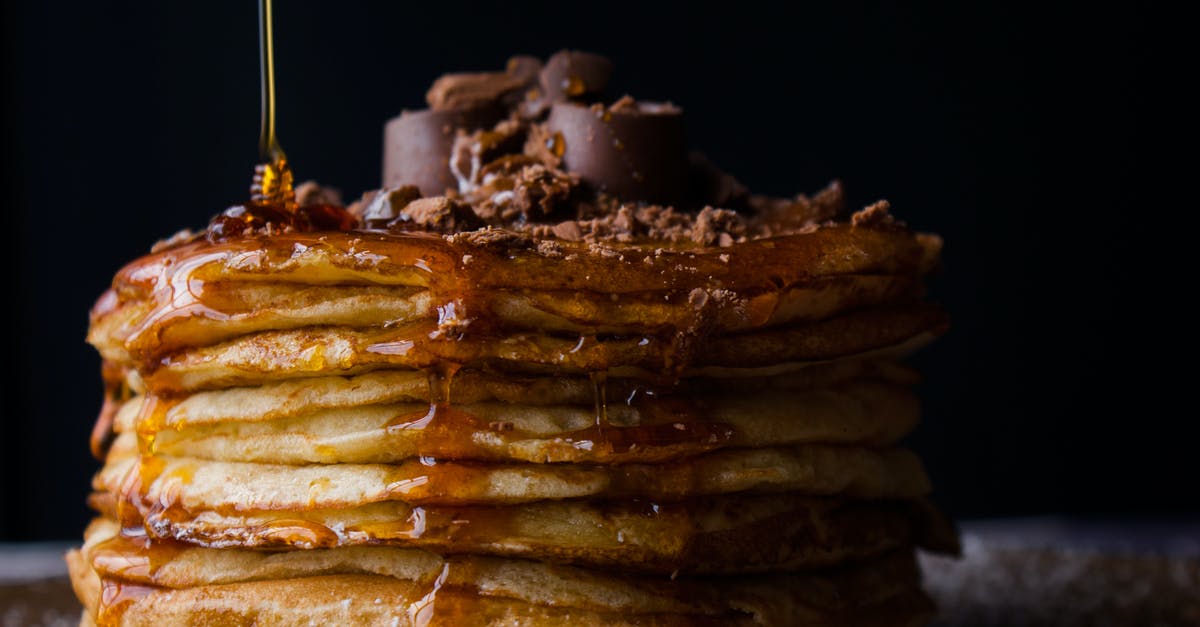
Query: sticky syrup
115,598
272,182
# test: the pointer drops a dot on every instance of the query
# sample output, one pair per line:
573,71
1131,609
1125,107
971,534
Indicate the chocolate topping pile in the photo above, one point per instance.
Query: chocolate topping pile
539,151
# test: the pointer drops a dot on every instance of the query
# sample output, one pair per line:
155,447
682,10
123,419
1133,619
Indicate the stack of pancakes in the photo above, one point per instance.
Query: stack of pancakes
386,426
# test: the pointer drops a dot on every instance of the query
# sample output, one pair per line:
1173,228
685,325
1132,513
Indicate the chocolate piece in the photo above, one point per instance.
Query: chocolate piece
445,215
416,146
633,152
313,193
876,216
471,91
520,190
471,151
717,226
387,204
570,74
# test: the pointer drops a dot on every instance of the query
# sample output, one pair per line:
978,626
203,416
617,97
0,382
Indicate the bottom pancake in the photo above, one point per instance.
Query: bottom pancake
132,581
726,534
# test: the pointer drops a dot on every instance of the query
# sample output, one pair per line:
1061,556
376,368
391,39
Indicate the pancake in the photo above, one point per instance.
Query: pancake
197,484
238,308
721,534
317,351
295,397
172,287
530,589
643,429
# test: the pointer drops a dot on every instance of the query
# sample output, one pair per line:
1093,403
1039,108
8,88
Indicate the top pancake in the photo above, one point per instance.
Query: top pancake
411,300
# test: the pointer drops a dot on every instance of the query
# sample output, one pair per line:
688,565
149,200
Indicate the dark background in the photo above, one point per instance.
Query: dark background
1029,138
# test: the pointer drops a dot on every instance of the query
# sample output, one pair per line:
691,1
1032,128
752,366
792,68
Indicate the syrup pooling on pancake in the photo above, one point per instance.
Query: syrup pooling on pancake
557,371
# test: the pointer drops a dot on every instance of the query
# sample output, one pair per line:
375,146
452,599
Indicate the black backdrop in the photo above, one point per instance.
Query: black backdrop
1021,135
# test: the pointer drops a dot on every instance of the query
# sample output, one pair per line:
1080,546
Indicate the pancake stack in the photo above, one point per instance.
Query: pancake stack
534,381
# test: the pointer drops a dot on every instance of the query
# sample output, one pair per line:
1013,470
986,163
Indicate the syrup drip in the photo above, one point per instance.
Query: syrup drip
115,598
132,556
272,182
421,611
116,394
599,381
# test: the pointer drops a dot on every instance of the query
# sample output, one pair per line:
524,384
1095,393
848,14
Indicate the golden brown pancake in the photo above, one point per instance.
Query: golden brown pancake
153,575
197,484
725,534
277,423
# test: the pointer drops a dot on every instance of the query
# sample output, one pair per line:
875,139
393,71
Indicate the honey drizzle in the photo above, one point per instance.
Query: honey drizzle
272,182
599,381
421,613
115,598
116,394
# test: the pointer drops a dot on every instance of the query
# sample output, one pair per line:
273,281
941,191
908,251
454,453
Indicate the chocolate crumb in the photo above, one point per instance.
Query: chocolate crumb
876,216
711,224
624,103
491,237
439,213
386,205
549,248
359,207
568,230
311,193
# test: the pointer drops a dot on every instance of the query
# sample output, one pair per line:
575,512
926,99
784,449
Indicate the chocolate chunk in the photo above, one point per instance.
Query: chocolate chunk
439,213
876,216
538,191
574,75
634,153
471,151
568,230
417,144
717,226
472,91
516,188
494,239
386,205
544,145
312,193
